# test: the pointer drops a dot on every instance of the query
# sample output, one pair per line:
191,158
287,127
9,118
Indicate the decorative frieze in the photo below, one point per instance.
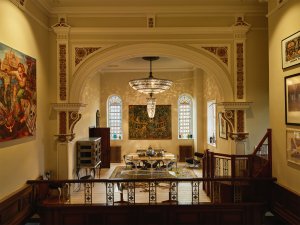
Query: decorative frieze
62,72
220,52
82,53
240,70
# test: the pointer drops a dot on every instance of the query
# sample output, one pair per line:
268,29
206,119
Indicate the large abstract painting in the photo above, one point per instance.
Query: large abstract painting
141,127
17,94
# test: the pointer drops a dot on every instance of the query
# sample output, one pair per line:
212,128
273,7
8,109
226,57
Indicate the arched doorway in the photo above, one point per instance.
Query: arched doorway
200,58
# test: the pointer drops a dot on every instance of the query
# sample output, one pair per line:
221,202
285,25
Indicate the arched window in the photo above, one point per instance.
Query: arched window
185,117
211,122
114,117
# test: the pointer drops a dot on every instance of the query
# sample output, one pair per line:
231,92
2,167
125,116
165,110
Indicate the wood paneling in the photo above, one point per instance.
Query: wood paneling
154,214
16,208
286,204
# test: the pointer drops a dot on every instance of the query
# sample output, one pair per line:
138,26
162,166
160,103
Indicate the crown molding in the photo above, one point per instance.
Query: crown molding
200,9
156,30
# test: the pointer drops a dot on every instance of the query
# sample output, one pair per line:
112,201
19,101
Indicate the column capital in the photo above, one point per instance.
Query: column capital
69,115
240,27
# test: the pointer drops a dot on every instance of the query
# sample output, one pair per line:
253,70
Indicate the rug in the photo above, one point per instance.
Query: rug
128,173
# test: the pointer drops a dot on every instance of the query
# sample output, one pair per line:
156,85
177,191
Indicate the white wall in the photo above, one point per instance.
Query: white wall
283,22
23,159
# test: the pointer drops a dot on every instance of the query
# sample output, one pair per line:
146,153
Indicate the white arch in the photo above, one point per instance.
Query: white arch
197,57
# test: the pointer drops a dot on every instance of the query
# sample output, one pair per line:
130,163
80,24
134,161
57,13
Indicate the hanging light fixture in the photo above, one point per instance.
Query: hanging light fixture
151,105
151,85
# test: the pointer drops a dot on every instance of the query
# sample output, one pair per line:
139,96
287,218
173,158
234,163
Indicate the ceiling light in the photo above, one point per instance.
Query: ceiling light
150,85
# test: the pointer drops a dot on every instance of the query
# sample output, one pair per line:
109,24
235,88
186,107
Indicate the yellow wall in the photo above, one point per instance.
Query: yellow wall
23,159
283,22
114,83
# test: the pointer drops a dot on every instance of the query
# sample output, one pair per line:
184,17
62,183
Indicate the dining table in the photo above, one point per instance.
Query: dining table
165,157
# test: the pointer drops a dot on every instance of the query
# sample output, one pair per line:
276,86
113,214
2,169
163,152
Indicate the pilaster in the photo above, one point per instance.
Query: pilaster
240,29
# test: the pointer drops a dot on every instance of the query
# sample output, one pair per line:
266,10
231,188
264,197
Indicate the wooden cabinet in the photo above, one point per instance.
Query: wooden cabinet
104,133
185,151
115,154
88,152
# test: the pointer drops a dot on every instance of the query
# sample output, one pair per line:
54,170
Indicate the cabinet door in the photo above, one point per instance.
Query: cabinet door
104,133
185,151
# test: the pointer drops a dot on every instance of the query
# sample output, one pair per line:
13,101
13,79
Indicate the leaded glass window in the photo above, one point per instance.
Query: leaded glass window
114,117
185,117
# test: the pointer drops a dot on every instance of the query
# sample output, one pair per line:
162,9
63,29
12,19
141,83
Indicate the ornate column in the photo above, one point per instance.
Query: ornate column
234,112
67,113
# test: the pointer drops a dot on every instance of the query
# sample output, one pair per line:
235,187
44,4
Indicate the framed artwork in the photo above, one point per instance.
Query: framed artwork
141,127
17,94
293,146
292,99
222,127
290,50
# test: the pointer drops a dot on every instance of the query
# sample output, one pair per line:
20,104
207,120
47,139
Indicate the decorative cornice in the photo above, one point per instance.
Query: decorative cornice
69,107
234,105
122,8
154,30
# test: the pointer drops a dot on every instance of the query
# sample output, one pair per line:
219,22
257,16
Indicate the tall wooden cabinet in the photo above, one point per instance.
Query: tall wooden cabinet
104,133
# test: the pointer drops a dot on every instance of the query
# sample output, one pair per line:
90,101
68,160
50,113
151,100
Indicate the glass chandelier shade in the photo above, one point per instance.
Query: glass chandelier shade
151,105
150,85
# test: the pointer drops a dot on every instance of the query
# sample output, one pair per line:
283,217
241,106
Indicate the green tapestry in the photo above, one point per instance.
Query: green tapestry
141,127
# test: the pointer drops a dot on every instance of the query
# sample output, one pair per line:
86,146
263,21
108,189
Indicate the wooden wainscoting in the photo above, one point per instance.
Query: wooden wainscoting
233,214
17,207
285,204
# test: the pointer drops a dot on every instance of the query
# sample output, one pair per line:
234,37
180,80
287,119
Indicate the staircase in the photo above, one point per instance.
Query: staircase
255,165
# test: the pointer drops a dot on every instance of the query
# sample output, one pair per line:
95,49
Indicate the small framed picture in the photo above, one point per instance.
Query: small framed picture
293,146
222,127
290,50
292,99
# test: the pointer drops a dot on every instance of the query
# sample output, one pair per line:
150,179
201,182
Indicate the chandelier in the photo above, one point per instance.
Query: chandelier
150,85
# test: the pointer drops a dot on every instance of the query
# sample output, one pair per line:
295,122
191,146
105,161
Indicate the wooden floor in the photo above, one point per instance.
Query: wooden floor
141,193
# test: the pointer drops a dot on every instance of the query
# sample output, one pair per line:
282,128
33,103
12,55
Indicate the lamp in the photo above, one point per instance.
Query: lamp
150,85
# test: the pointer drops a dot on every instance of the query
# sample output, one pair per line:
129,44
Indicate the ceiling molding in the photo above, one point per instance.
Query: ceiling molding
200,9
156,30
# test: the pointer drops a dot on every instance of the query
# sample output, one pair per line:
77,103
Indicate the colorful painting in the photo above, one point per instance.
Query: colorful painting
141,127
17,94
290,48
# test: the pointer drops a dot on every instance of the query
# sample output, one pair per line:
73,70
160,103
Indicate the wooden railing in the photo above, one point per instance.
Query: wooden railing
113,192
257,164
